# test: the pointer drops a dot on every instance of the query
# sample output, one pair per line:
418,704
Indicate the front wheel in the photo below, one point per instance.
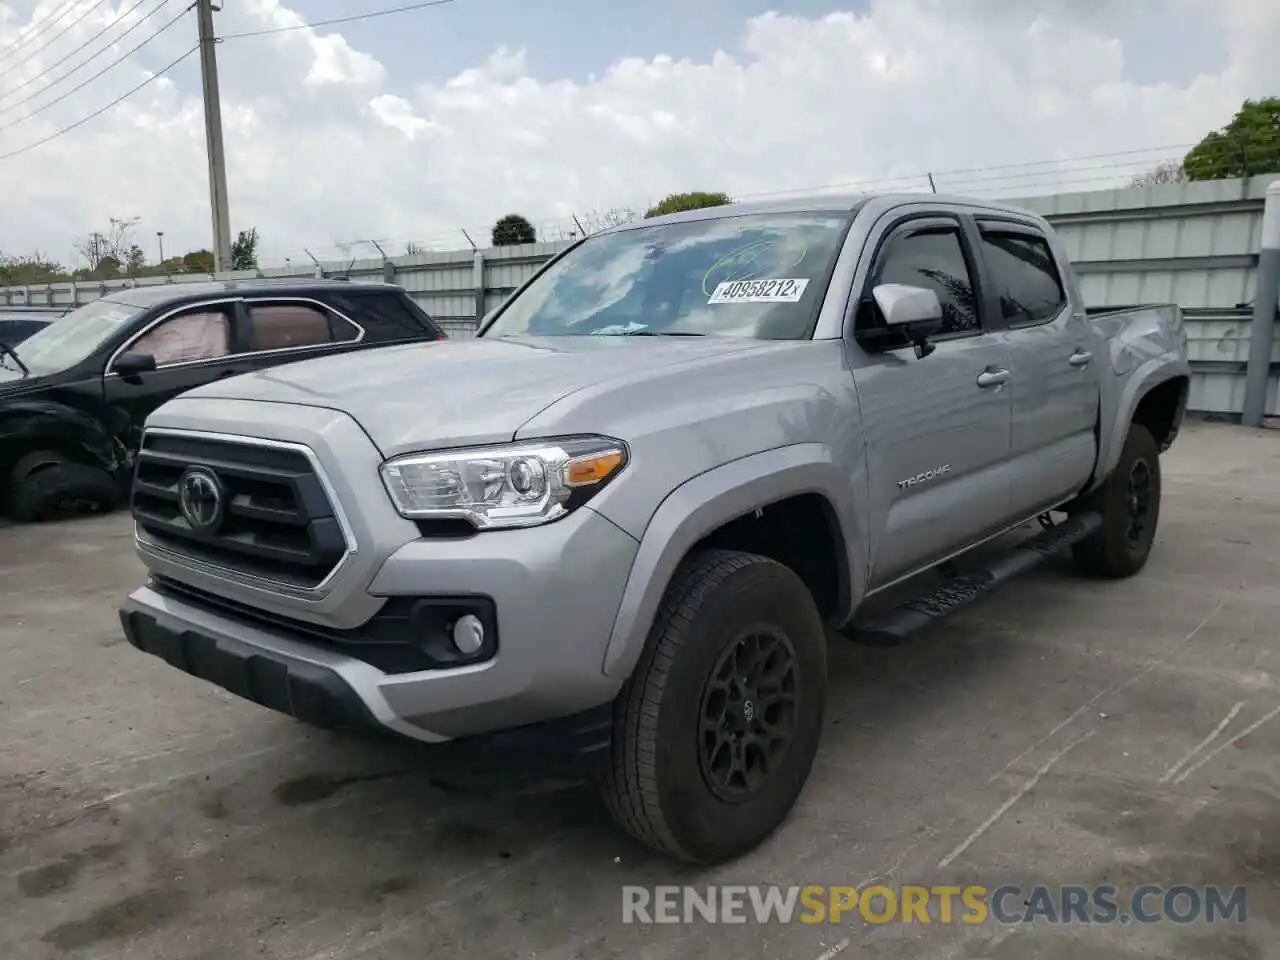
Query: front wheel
55,488
716,731
1129,502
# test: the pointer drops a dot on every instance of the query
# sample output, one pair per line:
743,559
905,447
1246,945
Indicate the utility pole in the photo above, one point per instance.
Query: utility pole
213,137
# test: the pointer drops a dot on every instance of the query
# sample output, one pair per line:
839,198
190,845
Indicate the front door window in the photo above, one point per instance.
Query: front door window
187,338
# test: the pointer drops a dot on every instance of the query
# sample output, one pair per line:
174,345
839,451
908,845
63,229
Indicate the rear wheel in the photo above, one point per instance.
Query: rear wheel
48,486
716,731
1129,502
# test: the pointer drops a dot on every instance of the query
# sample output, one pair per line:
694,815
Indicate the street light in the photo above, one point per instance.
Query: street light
160,237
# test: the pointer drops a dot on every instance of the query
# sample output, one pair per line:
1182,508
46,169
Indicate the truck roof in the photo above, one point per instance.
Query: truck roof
159,294
820,202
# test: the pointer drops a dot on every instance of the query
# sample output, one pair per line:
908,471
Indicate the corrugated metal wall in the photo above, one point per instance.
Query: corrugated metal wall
1194,244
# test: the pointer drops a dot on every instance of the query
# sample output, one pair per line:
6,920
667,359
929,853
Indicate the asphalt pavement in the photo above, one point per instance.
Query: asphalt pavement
1059,732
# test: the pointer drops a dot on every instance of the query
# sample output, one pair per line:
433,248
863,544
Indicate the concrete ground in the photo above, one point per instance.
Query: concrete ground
1058,732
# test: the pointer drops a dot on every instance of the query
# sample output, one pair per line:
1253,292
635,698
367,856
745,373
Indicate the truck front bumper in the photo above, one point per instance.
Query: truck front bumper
316,690
554,592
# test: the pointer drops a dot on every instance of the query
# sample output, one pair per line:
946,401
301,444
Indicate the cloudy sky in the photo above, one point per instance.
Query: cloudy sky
413,126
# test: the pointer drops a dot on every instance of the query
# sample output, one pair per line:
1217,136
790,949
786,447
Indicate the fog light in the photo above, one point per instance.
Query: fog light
468,634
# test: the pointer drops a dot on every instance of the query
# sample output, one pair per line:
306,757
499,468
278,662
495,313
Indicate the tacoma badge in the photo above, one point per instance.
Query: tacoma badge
933,474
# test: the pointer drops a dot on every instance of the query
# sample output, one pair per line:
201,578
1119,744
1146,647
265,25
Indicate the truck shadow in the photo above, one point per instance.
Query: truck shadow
875,696
338,830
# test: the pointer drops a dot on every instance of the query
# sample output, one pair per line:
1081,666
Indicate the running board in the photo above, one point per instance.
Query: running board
894,626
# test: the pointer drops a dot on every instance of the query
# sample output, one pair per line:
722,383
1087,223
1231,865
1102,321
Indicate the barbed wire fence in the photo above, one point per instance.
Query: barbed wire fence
48,56
1107,171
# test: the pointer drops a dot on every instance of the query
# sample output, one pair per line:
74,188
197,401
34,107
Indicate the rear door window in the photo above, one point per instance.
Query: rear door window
285,325
1025,277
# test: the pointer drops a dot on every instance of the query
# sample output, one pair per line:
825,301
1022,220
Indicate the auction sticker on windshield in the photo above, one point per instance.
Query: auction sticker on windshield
759,291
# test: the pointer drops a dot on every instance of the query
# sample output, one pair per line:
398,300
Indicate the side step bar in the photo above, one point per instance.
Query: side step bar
894,626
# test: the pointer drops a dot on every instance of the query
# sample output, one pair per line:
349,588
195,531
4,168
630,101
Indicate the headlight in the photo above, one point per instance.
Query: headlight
513,485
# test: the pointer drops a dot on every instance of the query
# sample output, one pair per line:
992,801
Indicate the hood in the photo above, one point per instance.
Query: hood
14,384
458,392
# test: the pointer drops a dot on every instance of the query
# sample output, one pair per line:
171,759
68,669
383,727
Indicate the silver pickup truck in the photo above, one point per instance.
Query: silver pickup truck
615,528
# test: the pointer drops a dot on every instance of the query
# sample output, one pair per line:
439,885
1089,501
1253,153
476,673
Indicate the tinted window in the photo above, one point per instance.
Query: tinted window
279,326
759,276
933,258
386,315
1025,277
199,335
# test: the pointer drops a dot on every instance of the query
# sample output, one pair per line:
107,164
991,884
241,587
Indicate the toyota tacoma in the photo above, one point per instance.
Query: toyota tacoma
621,523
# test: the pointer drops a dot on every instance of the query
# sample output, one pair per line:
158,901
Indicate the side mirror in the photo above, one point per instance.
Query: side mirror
901,305
132,363
911,316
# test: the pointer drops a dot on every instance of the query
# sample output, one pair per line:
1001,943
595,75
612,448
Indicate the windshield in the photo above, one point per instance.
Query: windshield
759,276
71,338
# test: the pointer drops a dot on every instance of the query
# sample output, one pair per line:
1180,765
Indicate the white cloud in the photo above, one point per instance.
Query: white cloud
326,144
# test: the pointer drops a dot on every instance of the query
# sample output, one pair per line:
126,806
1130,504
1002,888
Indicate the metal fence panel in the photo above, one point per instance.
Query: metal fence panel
1195,244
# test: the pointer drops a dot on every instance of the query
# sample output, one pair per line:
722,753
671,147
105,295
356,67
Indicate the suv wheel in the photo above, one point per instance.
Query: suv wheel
51,487
716,731
1129,501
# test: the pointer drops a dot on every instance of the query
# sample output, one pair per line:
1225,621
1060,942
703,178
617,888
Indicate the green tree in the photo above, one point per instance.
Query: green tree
135,260
112,244
198,261
35,268
244,252
107,269
511,230
693,200
1245,147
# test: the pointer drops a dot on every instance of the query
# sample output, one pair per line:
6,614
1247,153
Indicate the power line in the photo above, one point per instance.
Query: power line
40,27
99,112
335,20
1230,151
955,172
80,66
1005,185
52,40
84,83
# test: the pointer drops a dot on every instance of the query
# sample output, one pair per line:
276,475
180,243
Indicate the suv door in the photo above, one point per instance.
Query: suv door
191,346
936,428
1054,383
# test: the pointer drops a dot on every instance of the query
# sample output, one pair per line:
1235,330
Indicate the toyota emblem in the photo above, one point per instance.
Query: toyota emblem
200,499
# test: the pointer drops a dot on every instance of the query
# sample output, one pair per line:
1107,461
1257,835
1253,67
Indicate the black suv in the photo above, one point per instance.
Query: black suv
74,395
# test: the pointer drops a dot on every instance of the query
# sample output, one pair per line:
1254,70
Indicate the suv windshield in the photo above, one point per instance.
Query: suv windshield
760,275
69,339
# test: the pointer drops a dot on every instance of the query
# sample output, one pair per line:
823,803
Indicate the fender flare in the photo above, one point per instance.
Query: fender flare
1145,378
710,500
47,425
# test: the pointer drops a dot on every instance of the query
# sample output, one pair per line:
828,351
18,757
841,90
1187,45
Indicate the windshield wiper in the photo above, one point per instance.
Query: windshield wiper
662,333
6,350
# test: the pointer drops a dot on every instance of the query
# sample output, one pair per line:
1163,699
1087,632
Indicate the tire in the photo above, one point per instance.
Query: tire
59,488
1129,513
658,784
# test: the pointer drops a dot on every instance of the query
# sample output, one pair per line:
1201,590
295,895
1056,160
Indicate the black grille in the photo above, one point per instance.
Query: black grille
278,523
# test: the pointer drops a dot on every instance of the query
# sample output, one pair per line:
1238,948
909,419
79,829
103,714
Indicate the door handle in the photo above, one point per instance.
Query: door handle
992,378
1081,358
